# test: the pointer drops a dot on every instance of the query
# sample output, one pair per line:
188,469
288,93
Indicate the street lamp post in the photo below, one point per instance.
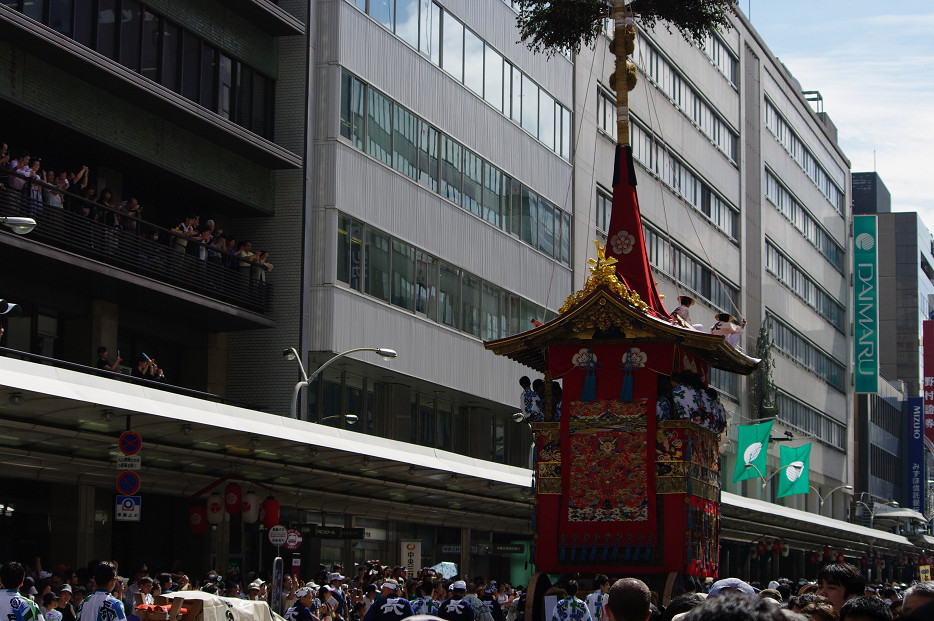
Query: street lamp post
821,499
292,354
872,513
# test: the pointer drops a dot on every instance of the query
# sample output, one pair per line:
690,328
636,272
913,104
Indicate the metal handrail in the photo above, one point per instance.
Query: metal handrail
219,275
114,375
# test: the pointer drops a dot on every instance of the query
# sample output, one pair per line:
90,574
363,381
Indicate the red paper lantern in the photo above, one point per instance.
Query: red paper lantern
863,562
826,552
215,509
777,547
813,558
761,548
198,519
270,512
840,558
233,496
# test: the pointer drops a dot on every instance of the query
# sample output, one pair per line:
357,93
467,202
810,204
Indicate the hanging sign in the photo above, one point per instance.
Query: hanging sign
130,443
866,304
128,483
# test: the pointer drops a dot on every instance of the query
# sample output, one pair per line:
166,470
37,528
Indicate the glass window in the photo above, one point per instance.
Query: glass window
60,16
171,43
34,9
351,109
473,62
529,105
403,275
425,429
430,35
382,11
404,143
493,78
84,24
262,103
566,239
191,62
473,182
407,21
546,120
492,315
244,97
604,208
361,4
546,227
529,217
356,255
470,304
517,95
343,249
443,409
452,58
354,402
106,28
428,155
149,53
449,297
130,24
377,264
330,408
225,86
426,285
208,75
379,127
514,318
510,203
492,193
451,169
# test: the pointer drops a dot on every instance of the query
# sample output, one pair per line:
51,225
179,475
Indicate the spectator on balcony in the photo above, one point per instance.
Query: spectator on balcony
22,161
204,235
106,200
4,155
102,362
79,180
35,187
183,232
135,211
245,256
58,186
261,265
147,368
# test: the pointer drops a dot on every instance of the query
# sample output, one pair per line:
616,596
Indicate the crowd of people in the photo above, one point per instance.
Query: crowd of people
388,593
111,220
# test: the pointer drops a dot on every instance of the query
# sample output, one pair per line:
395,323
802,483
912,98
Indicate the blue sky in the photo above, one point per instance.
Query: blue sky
873,63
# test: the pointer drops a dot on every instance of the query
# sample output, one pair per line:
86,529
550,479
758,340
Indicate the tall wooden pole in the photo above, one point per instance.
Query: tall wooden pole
624,41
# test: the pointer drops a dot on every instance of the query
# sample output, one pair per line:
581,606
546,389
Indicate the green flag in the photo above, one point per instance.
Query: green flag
794,470
751,451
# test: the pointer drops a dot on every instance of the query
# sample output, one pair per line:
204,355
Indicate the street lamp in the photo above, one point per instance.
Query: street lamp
821,499
292,354
351,419
20,226
798,467
872,514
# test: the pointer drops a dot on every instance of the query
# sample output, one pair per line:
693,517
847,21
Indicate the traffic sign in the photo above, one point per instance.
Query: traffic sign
130,443
128,483
293,539
278,535
128,509
129,462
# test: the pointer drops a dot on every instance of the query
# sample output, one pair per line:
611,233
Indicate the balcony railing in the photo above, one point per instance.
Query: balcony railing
218,275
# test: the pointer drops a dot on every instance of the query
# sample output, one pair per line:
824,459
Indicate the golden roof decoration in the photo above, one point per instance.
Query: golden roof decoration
603,272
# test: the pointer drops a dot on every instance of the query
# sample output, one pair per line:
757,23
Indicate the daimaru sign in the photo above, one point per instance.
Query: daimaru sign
866,303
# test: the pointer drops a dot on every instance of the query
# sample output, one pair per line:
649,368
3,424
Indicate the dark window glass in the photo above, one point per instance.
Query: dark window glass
473,182
492,191
356,255
546,228
493,320
352,109
262,102
426,422
149,57
191,63
343,249
106,27
449,296
529,207
244,86
225,86
403,275
382,11
13,4
377,264
404,143
470,307
171,46
407,21
428,155
566,239
426,285
34,9
451,169
379,128
444,425
60,16
129,34
208,76
84,24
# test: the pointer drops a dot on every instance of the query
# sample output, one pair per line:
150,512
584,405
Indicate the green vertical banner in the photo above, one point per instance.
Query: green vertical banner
795,465
866,303
751,451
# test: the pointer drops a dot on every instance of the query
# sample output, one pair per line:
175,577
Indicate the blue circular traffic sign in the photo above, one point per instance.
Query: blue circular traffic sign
128,483
130,443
